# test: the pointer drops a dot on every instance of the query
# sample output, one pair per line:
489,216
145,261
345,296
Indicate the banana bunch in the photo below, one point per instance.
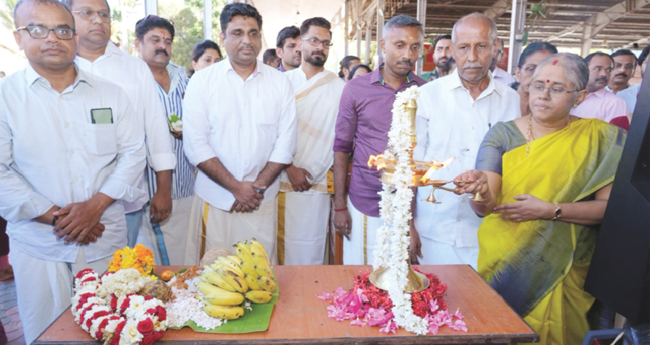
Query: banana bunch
227,282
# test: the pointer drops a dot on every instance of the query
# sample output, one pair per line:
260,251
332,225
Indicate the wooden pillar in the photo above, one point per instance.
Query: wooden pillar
517,22
586,38
422,18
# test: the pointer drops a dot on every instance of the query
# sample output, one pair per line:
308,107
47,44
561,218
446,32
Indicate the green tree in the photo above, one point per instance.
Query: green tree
6,13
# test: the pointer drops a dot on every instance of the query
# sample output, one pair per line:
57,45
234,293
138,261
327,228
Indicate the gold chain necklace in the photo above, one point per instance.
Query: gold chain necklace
529,132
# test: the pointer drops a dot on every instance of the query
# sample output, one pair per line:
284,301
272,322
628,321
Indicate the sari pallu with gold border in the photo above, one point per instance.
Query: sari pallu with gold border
539,266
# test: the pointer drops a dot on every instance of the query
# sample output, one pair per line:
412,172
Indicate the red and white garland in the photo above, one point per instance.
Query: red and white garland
116,319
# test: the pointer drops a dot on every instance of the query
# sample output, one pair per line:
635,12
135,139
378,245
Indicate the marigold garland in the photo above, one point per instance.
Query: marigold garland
138,257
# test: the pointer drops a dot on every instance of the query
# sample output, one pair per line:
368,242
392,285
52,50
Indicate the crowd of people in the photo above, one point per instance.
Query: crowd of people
90,159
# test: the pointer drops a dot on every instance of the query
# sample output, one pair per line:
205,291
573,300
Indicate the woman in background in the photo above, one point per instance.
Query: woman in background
358,71
204,54
528,61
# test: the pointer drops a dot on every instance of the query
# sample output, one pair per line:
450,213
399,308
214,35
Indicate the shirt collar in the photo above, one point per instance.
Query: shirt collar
454,82
228,66
377,77
600,93
175,74
33,76
281,68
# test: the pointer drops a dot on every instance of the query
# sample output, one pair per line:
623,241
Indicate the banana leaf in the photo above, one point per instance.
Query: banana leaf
256,320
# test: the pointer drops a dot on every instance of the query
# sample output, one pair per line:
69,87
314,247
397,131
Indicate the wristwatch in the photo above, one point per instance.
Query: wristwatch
558,212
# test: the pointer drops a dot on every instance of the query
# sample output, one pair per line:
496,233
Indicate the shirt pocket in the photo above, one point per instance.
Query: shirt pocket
101,139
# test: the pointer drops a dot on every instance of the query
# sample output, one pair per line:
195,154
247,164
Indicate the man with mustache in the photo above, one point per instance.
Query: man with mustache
454,114
441,56
287,48
70,148
599,103
624,66
101,57
154,37
630,94
497,73
364,119
240,131
304,200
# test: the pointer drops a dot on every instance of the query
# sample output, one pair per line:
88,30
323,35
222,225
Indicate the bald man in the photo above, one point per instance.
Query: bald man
69,148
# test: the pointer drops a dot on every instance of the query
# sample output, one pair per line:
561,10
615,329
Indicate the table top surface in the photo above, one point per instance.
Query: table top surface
299,317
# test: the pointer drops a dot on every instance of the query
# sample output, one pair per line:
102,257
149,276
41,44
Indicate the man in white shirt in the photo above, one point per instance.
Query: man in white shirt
154,37
454,114
630,94
304,200
240,131
497,73
99,56
70,146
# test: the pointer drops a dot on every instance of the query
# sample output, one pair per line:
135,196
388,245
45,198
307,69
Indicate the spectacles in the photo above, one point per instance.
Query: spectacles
315,42
41,32
628,66
89,15
555,91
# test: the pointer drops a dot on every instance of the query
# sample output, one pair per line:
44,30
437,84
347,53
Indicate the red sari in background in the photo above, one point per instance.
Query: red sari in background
621,121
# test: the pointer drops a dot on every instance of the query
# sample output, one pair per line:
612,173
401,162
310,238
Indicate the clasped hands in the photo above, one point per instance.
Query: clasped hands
248,196
79,222
527,207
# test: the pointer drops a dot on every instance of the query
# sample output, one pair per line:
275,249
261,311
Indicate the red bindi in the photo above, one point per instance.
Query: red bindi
547,81
554,62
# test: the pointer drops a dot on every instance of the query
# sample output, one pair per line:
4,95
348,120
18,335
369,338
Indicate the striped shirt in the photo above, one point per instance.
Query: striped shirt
183,175
365,116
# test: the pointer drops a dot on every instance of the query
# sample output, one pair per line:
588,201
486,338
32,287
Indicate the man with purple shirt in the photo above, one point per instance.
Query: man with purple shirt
600,103
362,129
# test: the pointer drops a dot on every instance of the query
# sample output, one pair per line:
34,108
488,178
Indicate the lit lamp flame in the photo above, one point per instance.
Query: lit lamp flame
377,161
435,165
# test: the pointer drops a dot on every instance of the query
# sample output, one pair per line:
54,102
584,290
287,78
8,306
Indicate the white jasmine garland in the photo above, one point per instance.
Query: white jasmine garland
393,239
122,282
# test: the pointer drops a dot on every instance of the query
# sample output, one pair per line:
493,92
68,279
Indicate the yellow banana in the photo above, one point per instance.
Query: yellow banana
235,259
215,279
243,252
258,248
259,297
223,312
266,283
233,279
227,298
209,289
234,266
252,282
260,260
263,271
249,269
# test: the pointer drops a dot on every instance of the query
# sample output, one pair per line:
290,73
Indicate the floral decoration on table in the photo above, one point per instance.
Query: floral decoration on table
111,309
138,257
367,305
392,251
175,124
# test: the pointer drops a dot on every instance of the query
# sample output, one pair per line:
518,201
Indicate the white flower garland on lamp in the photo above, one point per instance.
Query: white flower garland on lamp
393,239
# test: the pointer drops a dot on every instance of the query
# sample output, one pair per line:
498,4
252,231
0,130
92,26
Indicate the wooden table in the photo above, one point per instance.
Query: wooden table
301,318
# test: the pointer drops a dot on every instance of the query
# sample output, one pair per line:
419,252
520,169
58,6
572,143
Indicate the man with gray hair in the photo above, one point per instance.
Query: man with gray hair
454,114
362,127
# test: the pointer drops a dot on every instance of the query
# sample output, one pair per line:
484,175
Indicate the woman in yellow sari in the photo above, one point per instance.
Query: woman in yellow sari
545,180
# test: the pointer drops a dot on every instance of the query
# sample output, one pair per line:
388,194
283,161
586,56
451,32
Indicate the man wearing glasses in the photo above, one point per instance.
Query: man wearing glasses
304,199
239,129
154,36
101,57
70,146
599,103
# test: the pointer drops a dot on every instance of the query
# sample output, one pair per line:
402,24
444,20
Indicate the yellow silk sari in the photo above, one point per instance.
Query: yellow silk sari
539,266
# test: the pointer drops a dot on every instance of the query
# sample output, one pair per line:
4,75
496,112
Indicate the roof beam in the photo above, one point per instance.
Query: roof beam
601,20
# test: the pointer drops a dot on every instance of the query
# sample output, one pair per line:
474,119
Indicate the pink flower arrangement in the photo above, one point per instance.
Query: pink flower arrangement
365,304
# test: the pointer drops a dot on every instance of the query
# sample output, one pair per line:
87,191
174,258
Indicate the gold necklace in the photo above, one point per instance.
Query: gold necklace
529,132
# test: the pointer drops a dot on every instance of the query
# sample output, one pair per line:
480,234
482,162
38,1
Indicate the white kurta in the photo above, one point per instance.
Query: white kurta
451,123
303,217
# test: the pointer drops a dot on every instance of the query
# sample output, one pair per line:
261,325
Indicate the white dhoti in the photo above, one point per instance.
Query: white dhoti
170,237
359,249
44,288
438,253
302,227
223,229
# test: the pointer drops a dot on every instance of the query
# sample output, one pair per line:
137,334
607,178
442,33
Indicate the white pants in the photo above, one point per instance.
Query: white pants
174,231
359,249
302,227
438,253
223,229
44,288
